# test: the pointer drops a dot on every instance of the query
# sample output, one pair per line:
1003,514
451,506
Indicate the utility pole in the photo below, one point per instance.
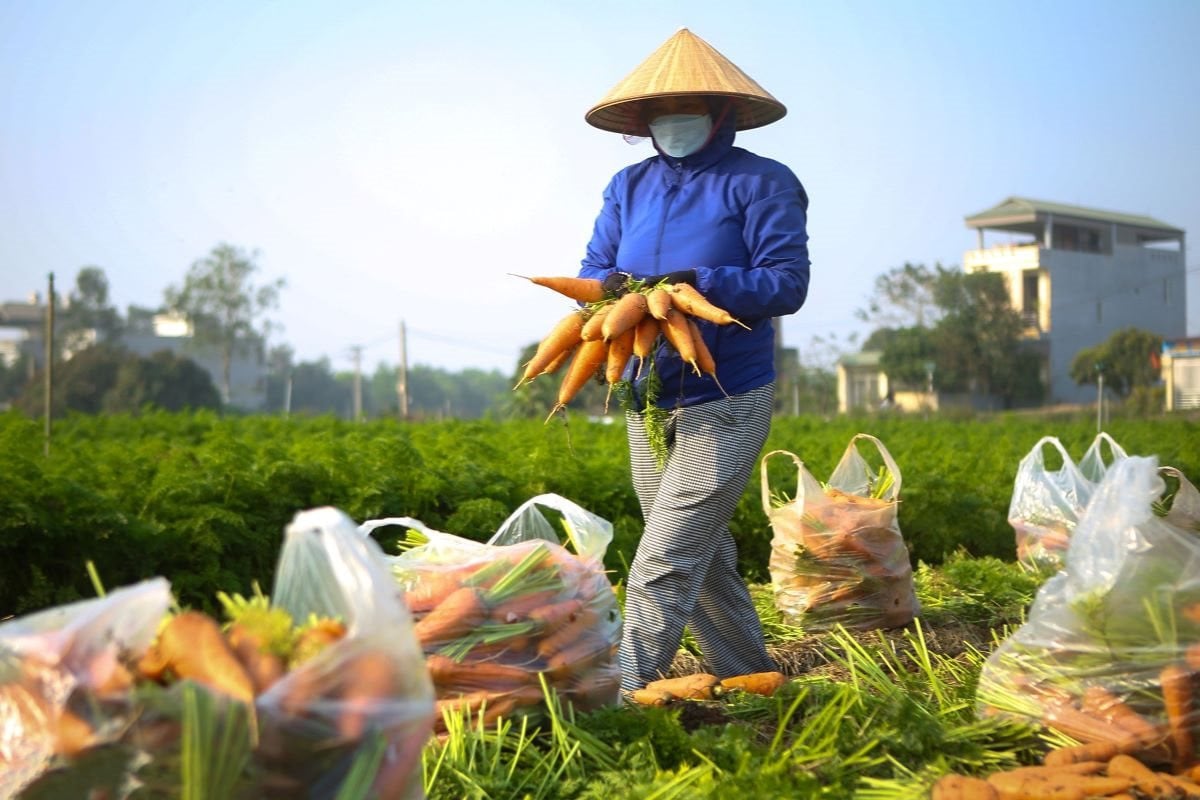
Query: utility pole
49,356
357,351
287,396
1099,396
402,375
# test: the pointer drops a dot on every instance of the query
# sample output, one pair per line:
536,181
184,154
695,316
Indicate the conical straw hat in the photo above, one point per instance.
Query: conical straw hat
684,65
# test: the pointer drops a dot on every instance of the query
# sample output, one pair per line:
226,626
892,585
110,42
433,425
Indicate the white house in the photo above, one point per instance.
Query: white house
1079,274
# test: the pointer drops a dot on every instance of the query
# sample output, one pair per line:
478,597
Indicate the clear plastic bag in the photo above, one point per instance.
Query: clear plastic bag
493,616
1047,503
1119,622
56,660
837,555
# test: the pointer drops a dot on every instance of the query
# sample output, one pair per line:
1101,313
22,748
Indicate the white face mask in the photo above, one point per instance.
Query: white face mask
680,135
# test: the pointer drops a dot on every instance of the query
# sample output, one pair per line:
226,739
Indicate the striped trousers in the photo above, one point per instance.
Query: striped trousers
685,570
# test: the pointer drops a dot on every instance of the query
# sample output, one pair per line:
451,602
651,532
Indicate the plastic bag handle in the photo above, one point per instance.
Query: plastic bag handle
888,461
1051,440
766,489
1115,450
1187,498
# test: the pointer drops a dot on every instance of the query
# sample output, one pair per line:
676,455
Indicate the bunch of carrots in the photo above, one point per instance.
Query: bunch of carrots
492,628
607,332
1041,543
840,560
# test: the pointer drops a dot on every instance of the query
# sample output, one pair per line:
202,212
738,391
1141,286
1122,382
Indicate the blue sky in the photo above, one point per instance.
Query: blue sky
396,160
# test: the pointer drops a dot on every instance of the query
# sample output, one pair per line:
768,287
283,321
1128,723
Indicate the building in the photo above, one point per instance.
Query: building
1180,362
1077,275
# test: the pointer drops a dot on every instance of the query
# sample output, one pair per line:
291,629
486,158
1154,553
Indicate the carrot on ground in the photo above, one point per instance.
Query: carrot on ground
460,613
585,290
687,298
1081,753
962,787
1145,779
626,313
697,686
589,358
764,683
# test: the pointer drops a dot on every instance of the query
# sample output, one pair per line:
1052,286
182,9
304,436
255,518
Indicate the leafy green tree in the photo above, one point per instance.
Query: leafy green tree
904,297
316,390
220,299
13,378
88,309
80,383
162,380
1124,359
979,335
907,354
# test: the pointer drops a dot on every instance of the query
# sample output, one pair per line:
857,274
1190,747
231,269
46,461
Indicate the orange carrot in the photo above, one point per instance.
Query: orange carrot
626,313
585,290
1099,701
518,608
1085,728
557,364
688,299
697,686
593,327
192,646
643,340
1145,779
564,637
552,617
447,673
1176,684
263,666
368,682
587,361
1096,751
962,787
460,613
675,328
562,337
578,659
619,351
651,697
764,683
658,302
704,357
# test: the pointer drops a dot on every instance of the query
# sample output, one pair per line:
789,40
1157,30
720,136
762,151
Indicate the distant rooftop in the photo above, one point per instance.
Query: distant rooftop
1018,212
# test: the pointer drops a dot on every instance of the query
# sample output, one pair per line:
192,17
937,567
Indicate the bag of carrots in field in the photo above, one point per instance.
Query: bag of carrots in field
1109,657
495,619
1047,502
316,692
837,556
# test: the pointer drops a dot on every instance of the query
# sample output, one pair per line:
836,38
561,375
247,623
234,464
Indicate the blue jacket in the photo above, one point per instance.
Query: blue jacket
738,219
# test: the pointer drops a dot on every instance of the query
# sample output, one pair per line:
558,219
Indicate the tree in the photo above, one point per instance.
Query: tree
316,390
906,356
979,335
223,304
904,297
162,380
87,310
1125,360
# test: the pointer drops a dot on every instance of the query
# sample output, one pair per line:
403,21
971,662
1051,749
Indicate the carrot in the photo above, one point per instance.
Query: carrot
588,359
688,299
679,335
1099,701
578,659
434,587
561,339
448,673
593,326
1063,786
263,666
315,638
764,683
658,302
704,358
1085,728
619,351
626,313
585,290
555,365
962,787
506,704
1188,787
518,608
459,614
643,340
1191,655
1077,768
552,617
72,734
1145,779
567,635
651,697
367,681
1176,684
1082,753
697,686
192,646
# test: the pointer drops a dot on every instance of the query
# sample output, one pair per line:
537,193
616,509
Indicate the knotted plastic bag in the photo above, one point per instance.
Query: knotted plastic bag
493,616
837,555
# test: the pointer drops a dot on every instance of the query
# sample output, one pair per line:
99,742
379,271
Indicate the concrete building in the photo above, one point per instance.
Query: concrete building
1078,275
1180,364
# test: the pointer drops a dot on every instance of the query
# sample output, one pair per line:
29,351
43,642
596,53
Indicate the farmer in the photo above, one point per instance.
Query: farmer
731,224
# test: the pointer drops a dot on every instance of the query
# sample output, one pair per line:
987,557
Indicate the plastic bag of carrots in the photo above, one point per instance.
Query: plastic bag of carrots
837,555
317,692
1109,657
495,619
1047,502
